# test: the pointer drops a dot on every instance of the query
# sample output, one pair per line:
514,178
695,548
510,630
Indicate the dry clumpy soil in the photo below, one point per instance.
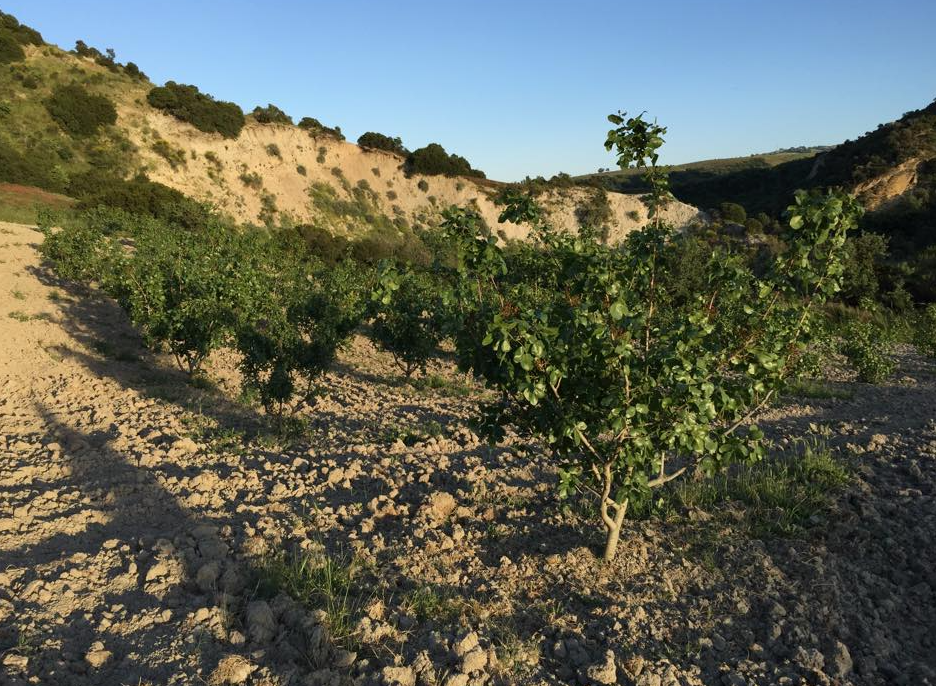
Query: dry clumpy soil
140,516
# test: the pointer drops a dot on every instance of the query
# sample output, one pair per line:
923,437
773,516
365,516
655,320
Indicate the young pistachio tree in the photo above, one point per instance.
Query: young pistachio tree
626,390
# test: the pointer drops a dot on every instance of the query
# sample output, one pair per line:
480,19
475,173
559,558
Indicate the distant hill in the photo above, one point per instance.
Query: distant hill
892,169
89,128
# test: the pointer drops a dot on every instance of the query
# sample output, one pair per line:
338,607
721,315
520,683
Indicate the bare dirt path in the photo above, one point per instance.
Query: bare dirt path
138,513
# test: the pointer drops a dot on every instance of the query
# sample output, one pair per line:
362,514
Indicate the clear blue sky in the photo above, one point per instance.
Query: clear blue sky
521,87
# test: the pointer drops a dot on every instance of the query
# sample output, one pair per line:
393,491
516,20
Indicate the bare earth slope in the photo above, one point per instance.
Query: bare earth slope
136,515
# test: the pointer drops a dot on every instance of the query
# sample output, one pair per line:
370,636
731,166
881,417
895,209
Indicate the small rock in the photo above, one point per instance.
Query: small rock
99,657
16,662
398,676
457,680
232,669
841,660
261,624
603,672
207,576
473,661
465,645
439,506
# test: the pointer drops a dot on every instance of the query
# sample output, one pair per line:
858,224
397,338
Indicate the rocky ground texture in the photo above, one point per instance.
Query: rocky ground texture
155,531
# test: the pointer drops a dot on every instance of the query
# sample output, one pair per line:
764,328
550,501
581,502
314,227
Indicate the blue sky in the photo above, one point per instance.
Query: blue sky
521,87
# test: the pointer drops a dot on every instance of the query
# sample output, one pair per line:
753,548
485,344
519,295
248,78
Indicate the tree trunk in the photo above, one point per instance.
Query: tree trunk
614,532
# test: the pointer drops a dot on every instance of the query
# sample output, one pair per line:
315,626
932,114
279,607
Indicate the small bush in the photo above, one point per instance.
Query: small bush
868,348
301,170
79,112
378,141
404,323
423,185
22,34
924,331
186,103
252,180
271,114
594,214
320,158
317,128
274,151
433,159
174,156
10,49
732,212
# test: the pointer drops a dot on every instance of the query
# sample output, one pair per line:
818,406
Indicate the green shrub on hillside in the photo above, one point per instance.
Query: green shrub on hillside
79,112
432,159
198,109
10,49
317,128
732,212
378,141
138,196
22,34
594,215
324,245
271,114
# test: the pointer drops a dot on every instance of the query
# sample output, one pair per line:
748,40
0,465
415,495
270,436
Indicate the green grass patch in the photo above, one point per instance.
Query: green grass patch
318,581
779,497
814,388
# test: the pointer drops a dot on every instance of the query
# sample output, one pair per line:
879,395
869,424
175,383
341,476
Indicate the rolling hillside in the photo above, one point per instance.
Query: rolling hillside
270,173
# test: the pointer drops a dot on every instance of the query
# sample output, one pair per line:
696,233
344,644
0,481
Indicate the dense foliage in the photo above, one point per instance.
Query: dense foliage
615,380
433,159
317,128
271,114
22,34
378,141
186,103
79,112
406,317
10,49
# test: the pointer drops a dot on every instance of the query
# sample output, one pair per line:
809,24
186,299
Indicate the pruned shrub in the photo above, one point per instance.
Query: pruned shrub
378,141
404,309
186,103
271,114
868,349
79,112
625,392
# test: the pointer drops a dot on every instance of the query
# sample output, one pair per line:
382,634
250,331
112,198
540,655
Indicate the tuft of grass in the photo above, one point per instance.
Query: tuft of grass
318,581
779,497
433,604
813,388
437,382
23,317
55,296
18,294
112,352
413,435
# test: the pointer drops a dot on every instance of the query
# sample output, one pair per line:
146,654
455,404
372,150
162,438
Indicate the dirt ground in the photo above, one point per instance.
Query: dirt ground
145,519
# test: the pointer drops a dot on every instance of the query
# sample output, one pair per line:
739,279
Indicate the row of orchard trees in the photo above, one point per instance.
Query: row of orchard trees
628,380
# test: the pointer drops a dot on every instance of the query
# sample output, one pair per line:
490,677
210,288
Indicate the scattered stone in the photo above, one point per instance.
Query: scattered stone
97,657
604,672
398,676
261,623
232,669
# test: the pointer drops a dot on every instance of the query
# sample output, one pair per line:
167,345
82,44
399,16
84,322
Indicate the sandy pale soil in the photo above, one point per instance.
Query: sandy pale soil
139,517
